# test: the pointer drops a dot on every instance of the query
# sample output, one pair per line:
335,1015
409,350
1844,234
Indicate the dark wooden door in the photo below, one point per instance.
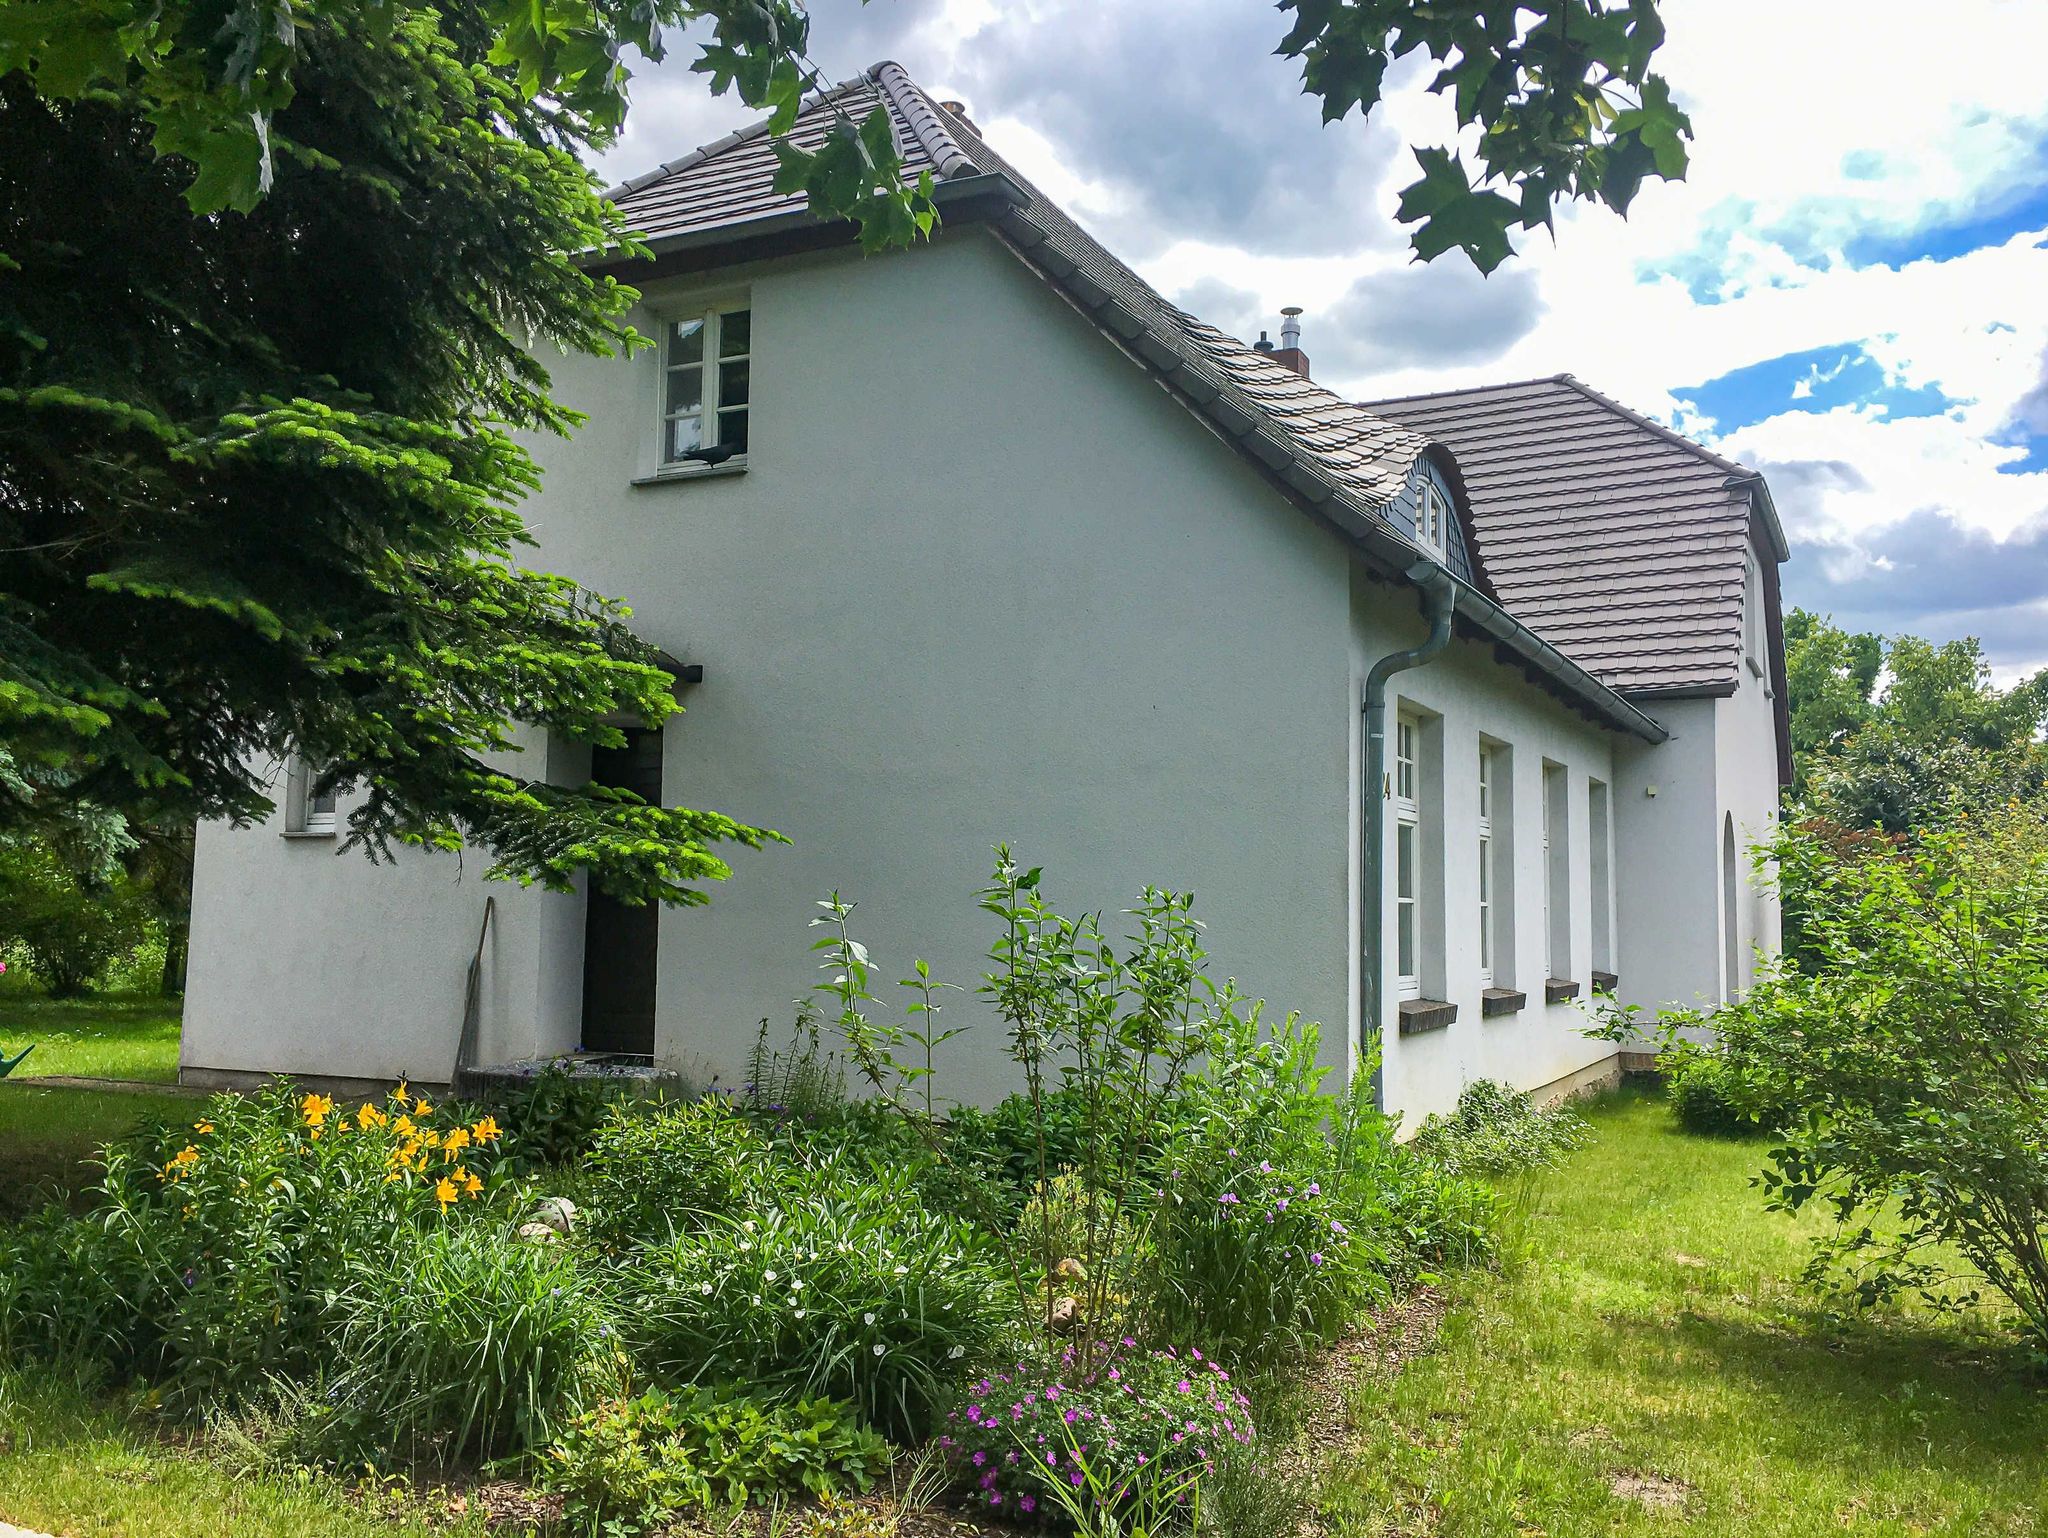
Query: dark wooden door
619,941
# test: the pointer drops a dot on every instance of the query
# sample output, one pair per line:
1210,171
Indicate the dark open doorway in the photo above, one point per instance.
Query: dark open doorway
619,941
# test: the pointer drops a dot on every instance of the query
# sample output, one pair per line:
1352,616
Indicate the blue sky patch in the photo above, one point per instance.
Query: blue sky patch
1985,226
1817,380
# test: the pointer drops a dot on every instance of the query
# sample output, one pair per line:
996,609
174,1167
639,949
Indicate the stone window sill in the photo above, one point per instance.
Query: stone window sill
1560,990
1501,1001
674,476
311,833
1605,982
1420,1015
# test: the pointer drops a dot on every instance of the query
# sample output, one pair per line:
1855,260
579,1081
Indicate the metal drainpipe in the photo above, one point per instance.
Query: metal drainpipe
1439,599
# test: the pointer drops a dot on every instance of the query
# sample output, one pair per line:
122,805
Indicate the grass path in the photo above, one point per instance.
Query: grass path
1652,1366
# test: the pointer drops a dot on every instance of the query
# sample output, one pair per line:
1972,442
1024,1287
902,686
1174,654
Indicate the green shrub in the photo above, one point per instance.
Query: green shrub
846,1288
472,1341
1132,1435
1706,1093
553,1119
634,1464
653,1174
1497,1132
72,926
1917,1054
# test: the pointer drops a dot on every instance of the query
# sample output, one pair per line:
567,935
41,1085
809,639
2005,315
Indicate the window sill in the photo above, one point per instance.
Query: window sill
1420,1015
735,466
310,833
1559,990
1605,982
1494,1002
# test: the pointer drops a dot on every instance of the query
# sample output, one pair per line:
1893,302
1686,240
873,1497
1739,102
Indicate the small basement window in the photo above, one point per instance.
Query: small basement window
706,387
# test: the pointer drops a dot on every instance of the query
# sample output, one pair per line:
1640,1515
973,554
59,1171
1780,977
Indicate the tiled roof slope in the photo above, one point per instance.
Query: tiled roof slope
1614,538
1337,458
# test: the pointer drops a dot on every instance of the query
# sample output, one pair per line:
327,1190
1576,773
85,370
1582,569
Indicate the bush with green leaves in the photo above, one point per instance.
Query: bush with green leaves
72,926
1497,1132
634,1464
656,1173
553,1119
1707,1092
846,1287
1916,1052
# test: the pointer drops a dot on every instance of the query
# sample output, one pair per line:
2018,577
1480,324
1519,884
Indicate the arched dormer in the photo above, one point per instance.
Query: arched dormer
1428,511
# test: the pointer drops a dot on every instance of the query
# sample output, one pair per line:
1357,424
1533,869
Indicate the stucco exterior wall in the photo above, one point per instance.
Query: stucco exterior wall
1462,696
1746,774
981,580
317,964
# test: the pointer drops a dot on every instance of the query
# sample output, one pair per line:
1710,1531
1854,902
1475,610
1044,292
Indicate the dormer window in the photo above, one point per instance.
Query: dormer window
1432,517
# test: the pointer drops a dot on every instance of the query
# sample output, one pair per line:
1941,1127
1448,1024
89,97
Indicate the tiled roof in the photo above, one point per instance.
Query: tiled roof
1343,462
1611,536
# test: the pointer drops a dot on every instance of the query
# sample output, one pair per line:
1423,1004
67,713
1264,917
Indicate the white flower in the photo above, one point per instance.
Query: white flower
796,1285
878,1349
903,1270
956,1353
867,1318
770,1275
799,1313
748,1225
705,1289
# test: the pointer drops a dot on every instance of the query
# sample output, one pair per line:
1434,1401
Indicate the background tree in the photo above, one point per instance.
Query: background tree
268,278
1559,94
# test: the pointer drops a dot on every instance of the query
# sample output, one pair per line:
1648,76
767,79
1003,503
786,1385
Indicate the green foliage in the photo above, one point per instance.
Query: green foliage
469,1341
1561,92
634,1464
1708,1092
221,1252
72,926
1916,1052
554,1118
1117,1443
656,1173
1264,1238
845,1287
1497,1132
149,438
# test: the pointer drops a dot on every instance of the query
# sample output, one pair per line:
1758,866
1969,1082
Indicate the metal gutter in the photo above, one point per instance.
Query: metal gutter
1439,603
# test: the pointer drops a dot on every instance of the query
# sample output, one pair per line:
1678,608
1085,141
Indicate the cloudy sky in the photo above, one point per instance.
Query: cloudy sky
1850,292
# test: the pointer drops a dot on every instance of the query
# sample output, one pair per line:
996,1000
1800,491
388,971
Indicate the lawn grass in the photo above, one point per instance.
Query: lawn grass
104,1036
71,1465
49,1138
1655,1331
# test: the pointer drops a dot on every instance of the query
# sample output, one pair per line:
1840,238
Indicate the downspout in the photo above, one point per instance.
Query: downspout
1439,599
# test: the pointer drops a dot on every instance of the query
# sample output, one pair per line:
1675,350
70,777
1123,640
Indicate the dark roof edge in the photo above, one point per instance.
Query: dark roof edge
1719,690
1199,386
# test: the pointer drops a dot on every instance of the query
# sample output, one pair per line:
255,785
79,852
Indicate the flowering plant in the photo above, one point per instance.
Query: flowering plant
1132,1432
244,1226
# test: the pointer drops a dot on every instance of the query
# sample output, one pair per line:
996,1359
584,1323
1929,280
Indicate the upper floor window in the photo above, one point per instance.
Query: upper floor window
307,807
1432,516
706,386
1753,615
1407,859
1486,875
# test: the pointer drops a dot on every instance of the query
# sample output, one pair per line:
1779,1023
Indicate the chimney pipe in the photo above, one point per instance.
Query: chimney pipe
1263,344
1289,354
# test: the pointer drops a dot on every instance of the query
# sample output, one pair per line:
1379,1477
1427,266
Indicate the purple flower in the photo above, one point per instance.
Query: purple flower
1316,1259
1228,1198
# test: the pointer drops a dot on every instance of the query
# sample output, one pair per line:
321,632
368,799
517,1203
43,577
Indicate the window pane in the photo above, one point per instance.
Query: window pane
321,802
685,389
735,333
1404,862
686,341
733,381
684,434
732,429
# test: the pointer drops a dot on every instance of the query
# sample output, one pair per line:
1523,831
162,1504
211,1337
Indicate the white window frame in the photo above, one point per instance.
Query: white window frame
1407,799
711,412
1487,935
1432,516
308,814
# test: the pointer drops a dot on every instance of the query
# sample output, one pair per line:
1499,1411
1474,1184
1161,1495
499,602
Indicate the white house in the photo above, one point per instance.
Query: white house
986,541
